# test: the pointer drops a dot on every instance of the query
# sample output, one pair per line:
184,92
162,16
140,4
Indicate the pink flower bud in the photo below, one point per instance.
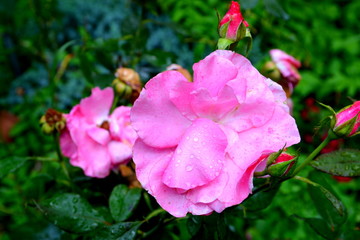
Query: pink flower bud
288,67
229,26
347,121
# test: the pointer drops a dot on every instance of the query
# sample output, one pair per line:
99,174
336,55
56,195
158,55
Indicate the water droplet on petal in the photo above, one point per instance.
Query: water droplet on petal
196,139
191,156
189,168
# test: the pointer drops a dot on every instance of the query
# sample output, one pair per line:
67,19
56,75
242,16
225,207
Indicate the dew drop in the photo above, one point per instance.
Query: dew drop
191,156
189,168
196,139
179,151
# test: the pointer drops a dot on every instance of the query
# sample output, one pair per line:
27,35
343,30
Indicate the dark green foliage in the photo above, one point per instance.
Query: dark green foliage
344,162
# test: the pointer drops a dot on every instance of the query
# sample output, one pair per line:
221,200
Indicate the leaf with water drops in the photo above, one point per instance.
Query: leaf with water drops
328,205
118,231
344,162
123,201
320,227
72,213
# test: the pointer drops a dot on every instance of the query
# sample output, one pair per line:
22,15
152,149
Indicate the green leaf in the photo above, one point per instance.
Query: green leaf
260,200
10,164
123,231
193,224
326,202
273,7
320,227
123,201
72,213
344,162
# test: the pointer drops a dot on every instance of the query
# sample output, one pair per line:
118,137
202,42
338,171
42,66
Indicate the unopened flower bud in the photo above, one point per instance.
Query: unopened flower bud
51,121
232,23
232,27
346,122
122,89
282,166
131,79
181,70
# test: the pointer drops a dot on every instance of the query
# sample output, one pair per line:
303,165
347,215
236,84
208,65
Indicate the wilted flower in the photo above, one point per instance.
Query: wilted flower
96,140
288,67
347,121
52,121
200,142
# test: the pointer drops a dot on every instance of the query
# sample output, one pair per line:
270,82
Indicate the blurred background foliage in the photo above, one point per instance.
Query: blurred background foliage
53,52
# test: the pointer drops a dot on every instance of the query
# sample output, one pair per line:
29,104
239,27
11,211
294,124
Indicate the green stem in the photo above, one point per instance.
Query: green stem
114,104
60,156
306,180
43,159
154,213
313,154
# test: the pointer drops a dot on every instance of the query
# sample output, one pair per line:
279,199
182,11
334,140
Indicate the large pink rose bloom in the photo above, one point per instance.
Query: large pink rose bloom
94,140
200,142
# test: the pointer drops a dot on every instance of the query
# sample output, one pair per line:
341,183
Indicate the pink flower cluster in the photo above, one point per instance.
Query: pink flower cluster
94,140
200,142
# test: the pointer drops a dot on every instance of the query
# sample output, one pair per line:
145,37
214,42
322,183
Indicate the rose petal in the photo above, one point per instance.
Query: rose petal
199,156
209,192
213,108
67,145
99,135
280,131
96,107
93,158
213,73
155,118
120,153
180,95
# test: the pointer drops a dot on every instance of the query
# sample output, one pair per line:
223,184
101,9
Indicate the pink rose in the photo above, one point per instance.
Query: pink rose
348,120
288,67
94,140
230,23
199,142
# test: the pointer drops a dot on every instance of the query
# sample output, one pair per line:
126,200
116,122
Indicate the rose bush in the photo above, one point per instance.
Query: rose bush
93,139
199,142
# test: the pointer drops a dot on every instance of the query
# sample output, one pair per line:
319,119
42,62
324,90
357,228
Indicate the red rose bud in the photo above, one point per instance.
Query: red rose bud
232,27
346,122
282,166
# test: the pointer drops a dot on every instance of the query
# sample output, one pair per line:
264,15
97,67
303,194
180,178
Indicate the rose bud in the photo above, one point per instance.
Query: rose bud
282,166
127,83
288,67
277,164
51,121
232,27
346,122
